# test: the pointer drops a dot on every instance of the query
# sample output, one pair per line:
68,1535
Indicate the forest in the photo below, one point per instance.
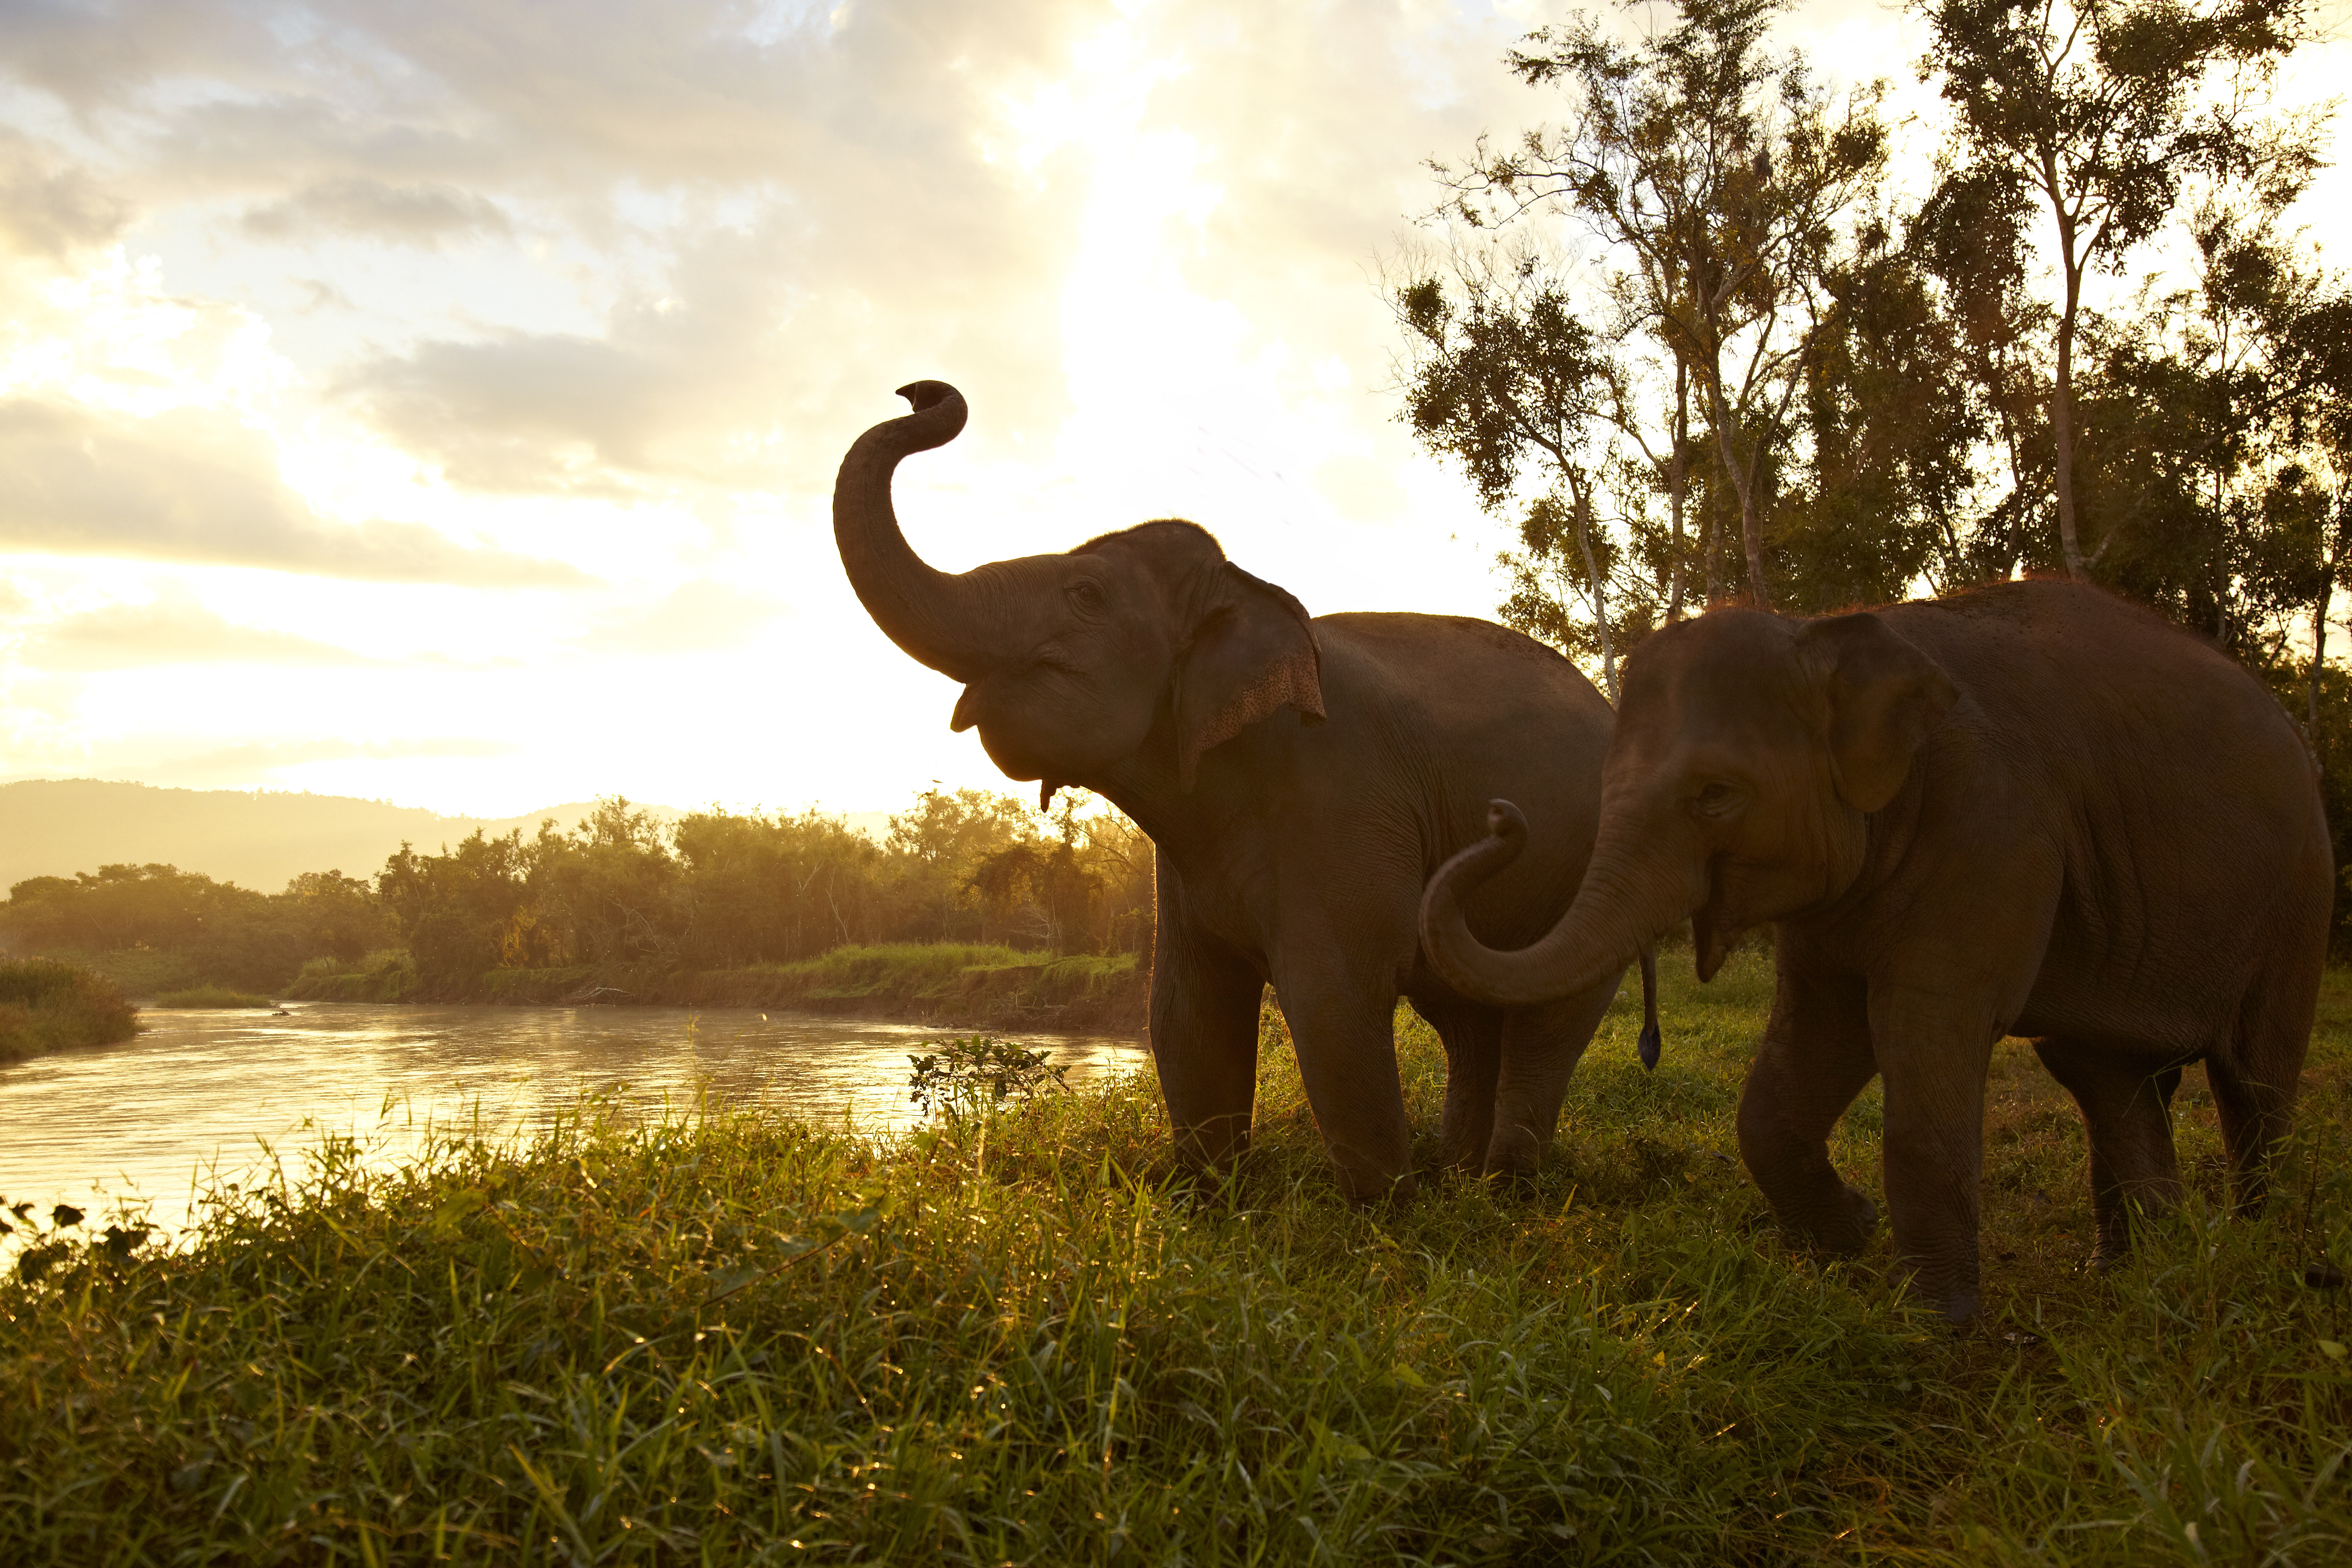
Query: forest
715,889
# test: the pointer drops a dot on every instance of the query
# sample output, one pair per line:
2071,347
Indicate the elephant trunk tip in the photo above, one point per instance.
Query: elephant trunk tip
921,396
1445,931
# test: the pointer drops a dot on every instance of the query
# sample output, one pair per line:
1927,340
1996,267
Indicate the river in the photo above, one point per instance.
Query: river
204,1096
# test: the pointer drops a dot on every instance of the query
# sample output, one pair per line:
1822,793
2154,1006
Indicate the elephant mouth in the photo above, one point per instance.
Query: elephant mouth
1713,929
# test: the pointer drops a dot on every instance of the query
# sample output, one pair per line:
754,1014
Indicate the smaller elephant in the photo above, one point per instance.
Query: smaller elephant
2032,810
1300,777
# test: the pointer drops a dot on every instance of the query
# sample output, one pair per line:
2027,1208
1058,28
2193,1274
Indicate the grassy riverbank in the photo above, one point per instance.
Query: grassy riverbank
45,1005
956,985
730,1338
223,996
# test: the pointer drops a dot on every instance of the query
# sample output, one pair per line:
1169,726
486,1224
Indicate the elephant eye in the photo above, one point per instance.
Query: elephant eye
1087,597
1716,799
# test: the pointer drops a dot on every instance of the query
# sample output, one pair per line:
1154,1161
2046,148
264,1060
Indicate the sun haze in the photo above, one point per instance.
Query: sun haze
440,403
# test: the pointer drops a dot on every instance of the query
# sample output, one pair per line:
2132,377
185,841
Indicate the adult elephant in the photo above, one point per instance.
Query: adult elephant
1291,845
2032,810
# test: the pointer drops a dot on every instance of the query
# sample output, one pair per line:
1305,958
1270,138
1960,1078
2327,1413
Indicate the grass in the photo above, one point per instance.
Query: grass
965,984
212,996
958,985
725,1337
46,1004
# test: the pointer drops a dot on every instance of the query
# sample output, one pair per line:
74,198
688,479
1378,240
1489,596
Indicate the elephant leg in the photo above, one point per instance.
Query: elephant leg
1472,1037
1205,1019
1933,1050
2254,1082
1815,1058
1342,1025
1541,1046
2127,1120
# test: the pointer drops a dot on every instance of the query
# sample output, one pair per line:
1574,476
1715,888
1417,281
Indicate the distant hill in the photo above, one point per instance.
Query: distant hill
258,839
55,827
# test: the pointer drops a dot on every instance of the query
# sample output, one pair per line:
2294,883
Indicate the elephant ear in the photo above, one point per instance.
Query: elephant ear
1884,697
1252,650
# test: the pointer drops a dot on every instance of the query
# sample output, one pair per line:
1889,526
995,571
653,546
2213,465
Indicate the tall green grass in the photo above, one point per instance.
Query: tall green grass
721,1336
46,1004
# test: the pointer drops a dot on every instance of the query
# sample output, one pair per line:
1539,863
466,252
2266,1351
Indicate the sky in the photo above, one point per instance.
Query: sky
440,402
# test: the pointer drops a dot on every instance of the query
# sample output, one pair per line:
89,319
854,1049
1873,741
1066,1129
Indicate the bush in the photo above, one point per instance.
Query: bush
45,1005
386,977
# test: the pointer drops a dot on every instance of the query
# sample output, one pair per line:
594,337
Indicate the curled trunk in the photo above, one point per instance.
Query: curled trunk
1627,901
940,618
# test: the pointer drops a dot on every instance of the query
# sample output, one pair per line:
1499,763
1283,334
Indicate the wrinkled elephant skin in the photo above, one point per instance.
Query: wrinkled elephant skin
2030,810
1300,779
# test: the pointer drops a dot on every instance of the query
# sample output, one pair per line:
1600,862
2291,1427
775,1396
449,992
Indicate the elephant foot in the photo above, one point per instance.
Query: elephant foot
1516,1154
1960,1307
1846,1229
1367,1189
1458,1158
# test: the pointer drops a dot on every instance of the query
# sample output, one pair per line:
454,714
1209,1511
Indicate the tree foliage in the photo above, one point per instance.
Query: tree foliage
1890,395
714,889
2103,112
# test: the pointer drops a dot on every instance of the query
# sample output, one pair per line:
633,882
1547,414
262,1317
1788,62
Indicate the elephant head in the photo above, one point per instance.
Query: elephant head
1146,644
1750,753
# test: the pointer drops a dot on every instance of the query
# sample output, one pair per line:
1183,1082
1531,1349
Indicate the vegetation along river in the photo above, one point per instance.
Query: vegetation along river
207,1095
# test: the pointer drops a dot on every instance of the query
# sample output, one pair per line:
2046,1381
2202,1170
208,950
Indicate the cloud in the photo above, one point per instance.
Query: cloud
172,630
766,212
733,373
49,207
698,616
197,485
420,215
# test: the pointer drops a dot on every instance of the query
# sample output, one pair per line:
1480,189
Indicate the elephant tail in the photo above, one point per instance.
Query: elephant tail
1652,1041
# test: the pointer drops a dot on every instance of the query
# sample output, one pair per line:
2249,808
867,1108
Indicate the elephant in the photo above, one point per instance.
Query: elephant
2031,809
1299,778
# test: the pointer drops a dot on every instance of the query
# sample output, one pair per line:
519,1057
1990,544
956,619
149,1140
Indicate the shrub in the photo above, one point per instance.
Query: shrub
45,1005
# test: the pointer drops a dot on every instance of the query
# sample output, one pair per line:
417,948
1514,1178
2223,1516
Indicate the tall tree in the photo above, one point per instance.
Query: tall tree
1505,378
2214,423
2103,110
1720,179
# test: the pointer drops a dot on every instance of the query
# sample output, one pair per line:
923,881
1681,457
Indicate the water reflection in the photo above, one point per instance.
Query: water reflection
206,1089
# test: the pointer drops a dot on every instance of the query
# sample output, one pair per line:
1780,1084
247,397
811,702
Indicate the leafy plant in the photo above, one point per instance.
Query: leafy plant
978,1072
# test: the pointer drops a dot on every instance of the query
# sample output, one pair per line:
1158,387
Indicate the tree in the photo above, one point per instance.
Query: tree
607,891
1504,373
2103,109
1719,180
1883,483
459,911
2214,423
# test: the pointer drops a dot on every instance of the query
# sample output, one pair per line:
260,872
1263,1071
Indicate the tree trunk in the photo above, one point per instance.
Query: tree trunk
1715,536
1677,485
2061,409
1595,589
1751,534
2318,658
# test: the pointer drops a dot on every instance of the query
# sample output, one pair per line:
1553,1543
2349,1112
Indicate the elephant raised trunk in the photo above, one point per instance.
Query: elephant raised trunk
1624,905
947,621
